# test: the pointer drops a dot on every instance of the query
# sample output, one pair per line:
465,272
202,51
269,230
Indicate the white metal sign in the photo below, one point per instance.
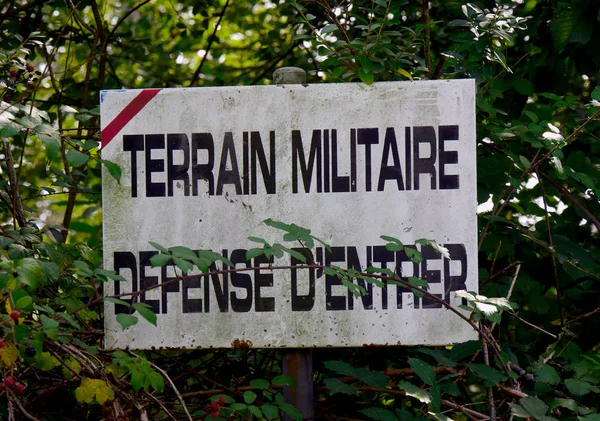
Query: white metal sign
203,168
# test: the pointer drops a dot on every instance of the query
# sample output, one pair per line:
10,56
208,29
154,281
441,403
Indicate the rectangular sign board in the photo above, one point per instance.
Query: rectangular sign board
204,167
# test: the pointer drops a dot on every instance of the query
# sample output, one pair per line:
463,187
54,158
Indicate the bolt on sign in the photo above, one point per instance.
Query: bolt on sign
204,167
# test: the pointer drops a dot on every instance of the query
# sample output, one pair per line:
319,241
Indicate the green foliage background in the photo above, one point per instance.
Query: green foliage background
538,72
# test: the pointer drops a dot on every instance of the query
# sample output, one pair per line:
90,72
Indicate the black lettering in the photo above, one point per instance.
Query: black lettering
191,305
407,158
229,176
431,276
338,183
448,157
262,280
458,253
353,262
154,141
334,302
368,137
179,142
125,260
424,135
326,180
147,281
166,287
258,152
240,280
353,163
203,141
383,256
133,143
306,169
302,302
393,172
402,257
220,288
245,162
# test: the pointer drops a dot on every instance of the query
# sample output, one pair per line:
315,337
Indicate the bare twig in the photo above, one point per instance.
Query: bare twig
490,391
534,326
166,376
474,415
550,242
211,40
21,407
427,41
573,199
15,197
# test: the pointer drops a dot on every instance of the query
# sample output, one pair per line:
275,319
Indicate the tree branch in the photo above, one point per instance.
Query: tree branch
212,38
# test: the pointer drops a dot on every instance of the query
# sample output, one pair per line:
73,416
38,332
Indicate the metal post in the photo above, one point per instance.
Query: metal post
297,363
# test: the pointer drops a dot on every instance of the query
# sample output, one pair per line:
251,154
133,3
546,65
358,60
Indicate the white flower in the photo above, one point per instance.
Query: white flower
553,128
486,309
557,137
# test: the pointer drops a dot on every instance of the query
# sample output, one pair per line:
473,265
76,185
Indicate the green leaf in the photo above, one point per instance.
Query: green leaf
24,303
52,145
487,373
255,411
414,255
126,320
534,406
110,274
260,384
159,260
337,386
146,312
9,129
440,356
156,381
578,387
138,378
464,350
291,411
46,362
565,403
158,247
270,411
340,367
366,77
255,252
283,380
423,370
415,392
596,93
48,323
117,301
76,158
70,319
546,373
328,28
524,87
184,265
379,414
563,25
459,22
372,378
183,252
249,397
113,169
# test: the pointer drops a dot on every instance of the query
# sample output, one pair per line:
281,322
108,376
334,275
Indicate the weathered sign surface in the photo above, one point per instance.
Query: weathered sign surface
203,168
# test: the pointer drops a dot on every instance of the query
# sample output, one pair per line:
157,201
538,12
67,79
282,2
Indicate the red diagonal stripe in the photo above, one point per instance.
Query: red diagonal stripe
126,115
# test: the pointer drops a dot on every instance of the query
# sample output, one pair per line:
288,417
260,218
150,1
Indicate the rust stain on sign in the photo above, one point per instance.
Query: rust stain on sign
241,344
